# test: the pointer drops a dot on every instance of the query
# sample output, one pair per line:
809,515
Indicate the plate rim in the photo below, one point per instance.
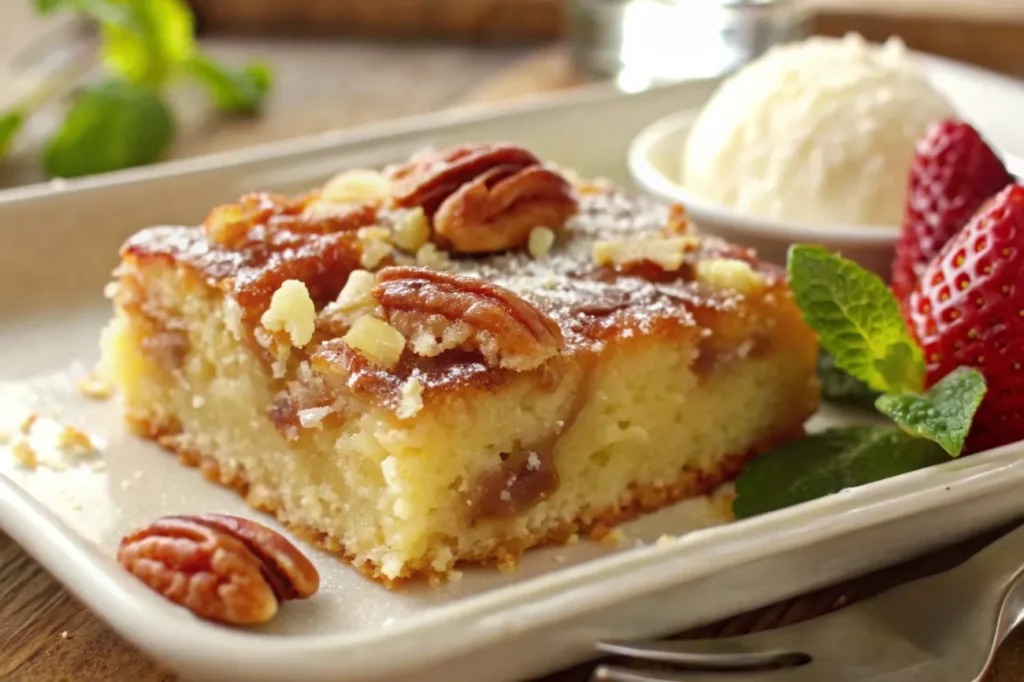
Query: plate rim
541,601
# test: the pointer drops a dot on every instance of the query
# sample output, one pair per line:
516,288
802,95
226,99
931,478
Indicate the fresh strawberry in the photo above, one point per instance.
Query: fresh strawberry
968,309
952,174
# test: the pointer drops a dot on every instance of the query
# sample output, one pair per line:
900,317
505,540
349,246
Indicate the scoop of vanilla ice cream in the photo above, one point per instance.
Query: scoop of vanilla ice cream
820,131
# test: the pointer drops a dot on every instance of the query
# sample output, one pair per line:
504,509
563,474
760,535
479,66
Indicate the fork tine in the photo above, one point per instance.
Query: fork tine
716,654
613,673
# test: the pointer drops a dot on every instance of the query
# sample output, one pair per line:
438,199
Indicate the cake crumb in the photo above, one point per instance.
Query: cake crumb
125,484
74,441
429,256
357,291
572,539
99,465
443,557
412,398
412,230
540,242
391,567
65,635
600,530
533,462
730,273
356,185
376,340
839,602
376,245
137,475
613,538
312,417
667,252
291,311
560,559
24,453
666,540
198,401
95,387
507,563
721,500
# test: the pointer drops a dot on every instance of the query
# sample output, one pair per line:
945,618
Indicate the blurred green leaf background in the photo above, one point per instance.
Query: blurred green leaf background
121,116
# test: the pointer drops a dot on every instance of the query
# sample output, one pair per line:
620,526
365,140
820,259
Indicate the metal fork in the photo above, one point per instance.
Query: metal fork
943,628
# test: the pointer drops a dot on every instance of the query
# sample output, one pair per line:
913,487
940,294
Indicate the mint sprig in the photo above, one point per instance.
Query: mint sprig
235,90
858,323
10,124
840,387
111,125
944,413
857,320
145,46
827,463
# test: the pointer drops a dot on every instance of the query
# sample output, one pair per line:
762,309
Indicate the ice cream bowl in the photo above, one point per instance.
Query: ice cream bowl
654,163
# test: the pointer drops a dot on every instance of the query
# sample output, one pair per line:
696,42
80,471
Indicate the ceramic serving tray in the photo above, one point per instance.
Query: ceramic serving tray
58,243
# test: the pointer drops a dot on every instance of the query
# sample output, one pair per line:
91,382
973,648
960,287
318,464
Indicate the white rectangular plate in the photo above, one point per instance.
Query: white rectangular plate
58,244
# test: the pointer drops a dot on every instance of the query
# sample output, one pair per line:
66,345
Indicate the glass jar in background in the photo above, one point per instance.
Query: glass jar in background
640,43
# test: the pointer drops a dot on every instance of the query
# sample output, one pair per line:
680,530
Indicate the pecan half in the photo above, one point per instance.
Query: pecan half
220,567
483,198
439,311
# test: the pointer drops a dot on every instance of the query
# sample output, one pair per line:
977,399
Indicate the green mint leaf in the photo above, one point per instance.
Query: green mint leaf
110,126
828,462
45,7
48,6
234,90
840,387
944,413
857,320
100,11
148,41
10,124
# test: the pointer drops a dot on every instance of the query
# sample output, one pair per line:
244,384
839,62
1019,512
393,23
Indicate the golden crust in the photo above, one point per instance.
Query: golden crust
590,306
636,501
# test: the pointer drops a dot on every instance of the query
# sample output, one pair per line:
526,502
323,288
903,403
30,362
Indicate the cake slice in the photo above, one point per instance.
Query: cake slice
456,358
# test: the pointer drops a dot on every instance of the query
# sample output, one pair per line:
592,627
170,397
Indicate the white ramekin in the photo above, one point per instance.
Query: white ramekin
654,162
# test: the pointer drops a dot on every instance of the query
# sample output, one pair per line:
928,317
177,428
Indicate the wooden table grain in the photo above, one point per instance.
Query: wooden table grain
47,636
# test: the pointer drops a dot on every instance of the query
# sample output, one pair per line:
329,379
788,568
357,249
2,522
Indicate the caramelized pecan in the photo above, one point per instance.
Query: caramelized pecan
430,176
220,567
231,225
439,311
483,198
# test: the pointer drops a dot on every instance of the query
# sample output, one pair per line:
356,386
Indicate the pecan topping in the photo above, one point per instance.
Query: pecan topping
483,198
220,567
439,311
230,225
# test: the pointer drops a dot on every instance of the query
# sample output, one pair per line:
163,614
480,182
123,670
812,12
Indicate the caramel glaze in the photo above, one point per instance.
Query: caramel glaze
163,343
527,475
593,307
320,251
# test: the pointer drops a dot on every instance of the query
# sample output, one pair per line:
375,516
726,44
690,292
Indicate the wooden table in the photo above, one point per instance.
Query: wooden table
45,634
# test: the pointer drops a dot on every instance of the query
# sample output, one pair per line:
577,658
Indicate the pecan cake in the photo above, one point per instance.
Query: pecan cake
456,358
